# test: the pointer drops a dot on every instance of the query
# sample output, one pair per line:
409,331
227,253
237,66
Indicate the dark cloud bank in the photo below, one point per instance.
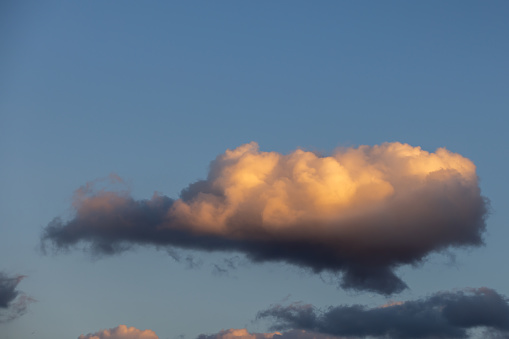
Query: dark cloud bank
13,303
443,315
362,212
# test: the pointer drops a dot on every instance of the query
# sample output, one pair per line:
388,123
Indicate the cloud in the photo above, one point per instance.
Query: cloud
121,332
361,212
443,315
238,333
244,334
228,265
13,303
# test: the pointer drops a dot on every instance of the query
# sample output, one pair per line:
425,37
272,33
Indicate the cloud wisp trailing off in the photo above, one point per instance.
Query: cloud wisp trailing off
361,212
443,315
13,303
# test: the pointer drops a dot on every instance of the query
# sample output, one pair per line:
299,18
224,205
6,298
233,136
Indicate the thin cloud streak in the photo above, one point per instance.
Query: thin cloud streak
442,315
361,212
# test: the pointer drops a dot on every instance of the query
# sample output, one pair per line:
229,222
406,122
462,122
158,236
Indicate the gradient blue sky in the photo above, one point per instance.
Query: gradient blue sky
154,91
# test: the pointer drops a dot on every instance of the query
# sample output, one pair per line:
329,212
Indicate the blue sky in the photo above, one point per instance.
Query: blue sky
155,91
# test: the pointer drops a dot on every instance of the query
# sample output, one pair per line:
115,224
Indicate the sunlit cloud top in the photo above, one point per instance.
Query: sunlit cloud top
287,190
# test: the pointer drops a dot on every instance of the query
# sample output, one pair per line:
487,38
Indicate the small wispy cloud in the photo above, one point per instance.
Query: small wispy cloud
13,302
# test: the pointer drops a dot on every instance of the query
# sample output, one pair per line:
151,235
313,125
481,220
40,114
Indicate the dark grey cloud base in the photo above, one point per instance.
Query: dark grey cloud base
132,222
443,315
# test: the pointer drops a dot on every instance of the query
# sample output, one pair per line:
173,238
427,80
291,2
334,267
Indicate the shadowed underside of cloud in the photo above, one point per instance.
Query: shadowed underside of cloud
13,303
121,332
443,315
361,211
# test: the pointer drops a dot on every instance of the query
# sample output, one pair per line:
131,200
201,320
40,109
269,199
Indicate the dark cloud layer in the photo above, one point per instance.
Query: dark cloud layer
443,315
13,303
361,212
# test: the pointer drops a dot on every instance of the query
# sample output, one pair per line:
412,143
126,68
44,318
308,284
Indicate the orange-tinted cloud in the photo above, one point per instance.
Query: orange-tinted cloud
361,211
121,332
124,332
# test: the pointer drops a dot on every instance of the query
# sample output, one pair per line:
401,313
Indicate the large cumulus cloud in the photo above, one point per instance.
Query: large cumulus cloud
121,332
443,315
13,303
361,212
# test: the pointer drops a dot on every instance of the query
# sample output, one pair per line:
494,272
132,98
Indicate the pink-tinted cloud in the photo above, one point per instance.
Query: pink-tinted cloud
361,211
121,332
244,334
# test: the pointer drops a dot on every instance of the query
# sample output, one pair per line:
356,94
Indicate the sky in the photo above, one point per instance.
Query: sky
266,169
